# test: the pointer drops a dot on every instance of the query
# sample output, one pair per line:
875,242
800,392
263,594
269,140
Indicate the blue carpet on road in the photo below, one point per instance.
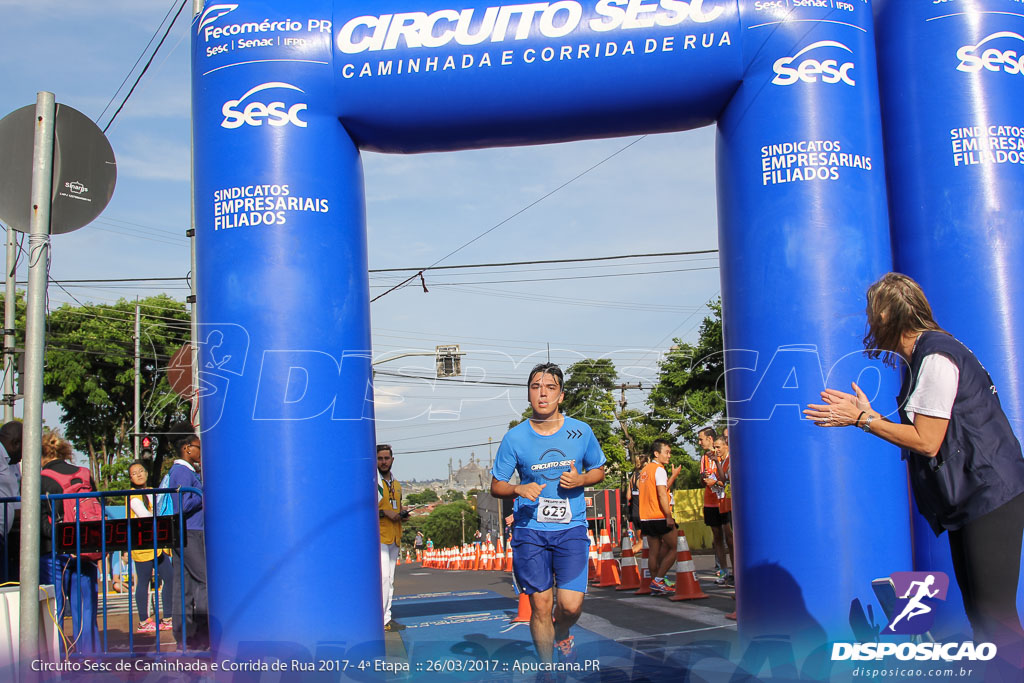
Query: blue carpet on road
468,636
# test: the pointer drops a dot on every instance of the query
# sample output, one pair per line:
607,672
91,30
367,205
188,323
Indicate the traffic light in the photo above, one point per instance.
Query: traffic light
147,443
449,360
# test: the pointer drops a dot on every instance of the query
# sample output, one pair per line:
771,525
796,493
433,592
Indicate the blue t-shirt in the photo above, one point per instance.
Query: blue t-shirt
543,459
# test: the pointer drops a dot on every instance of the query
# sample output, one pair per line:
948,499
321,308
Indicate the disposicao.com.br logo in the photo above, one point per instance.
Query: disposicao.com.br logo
909,600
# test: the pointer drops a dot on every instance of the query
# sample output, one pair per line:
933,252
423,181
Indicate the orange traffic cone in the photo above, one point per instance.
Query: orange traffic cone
630,574
499,557
508,558
398,560
592,574
645,572
525,611
687,587
609,567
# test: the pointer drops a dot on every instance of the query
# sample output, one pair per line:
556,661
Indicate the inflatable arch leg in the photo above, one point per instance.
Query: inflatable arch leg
952,98
287,413
803,230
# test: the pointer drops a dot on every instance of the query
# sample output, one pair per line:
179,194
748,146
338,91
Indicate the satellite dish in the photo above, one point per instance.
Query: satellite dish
84,170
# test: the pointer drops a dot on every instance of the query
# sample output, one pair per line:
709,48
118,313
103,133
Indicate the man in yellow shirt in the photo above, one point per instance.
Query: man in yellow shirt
389,495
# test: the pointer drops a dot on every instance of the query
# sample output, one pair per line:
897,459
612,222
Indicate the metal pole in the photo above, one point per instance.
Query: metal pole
138,373
194,323
35,330
197,7
10,296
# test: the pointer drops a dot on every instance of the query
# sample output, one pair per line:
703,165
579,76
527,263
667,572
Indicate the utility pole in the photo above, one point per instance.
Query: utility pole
630,445
463,527
138,369
9,316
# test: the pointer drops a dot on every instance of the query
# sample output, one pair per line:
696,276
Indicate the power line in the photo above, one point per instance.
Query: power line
145,68
573,277
137,60
509,218
548,261
459,266
450,448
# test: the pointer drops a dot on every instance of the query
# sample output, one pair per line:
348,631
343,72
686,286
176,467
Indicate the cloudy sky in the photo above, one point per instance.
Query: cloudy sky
646,195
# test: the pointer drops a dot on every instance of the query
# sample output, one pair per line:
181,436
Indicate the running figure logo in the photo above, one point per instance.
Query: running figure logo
916,595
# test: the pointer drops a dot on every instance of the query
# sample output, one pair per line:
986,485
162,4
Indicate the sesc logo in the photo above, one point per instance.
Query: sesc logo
808,70
212,14
254,113
991,59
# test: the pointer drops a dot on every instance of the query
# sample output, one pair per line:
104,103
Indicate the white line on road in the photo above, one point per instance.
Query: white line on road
679,633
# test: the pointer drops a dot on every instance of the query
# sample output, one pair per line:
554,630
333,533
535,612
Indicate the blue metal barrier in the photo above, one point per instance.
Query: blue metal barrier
61,562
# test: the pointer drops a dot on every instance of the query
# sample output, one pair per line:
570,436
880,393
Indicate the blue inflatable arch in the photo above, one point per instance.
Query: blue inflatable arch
286,94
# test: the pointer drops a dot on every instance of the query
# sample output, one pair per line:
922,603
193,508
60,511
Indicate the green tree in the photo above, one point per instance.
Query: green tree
89,373
643,431
588,397
451,495
422,498
690,393
445,524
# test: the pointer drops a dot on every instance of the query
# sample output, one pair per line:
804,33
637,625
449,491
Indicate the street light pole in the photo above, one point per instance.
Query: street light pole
35,340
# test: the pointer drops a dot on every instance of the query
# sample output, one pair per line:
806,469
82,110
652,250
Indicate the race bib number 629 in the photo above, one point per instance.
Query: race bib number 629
553,511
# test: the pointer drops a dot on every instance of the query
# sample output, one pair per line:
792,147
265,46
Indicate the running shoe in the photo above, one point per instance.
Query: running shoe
658,587
669,582
566,650
165,625
146,627
722,578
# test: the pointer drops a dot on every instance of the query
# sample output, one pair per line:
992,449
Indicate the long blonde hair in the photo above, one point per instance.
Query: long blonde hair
896,306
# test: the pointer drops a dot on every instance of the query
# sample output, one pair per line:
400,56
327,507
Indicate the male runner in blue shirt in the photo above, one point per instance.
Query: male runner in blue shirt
556,457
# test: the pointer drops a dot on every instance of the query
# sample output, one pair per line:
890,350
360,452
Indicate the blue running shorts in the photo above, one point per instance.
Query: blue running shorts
541,559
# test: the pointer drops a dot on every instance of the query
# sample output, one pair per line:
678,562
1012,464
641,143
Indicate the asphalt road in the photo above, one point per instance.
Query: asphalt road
644,623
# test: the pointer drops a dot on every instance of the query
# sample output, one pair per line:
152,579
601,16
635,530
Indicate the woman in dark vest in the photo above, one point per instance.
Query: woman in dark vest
965,463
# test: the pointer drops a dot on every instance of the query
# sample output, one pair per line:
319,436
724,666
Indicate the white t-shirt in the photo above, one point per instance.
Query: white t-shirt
937,383
660,477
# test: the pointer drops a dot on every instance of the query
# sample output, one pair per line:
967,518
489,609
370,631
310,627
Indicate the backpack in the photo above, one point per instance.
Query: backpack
89,509
164,505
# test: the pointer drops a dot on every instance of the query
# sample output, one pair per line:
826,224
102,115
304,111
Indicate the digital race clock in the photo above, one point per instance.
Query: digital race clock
140,529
